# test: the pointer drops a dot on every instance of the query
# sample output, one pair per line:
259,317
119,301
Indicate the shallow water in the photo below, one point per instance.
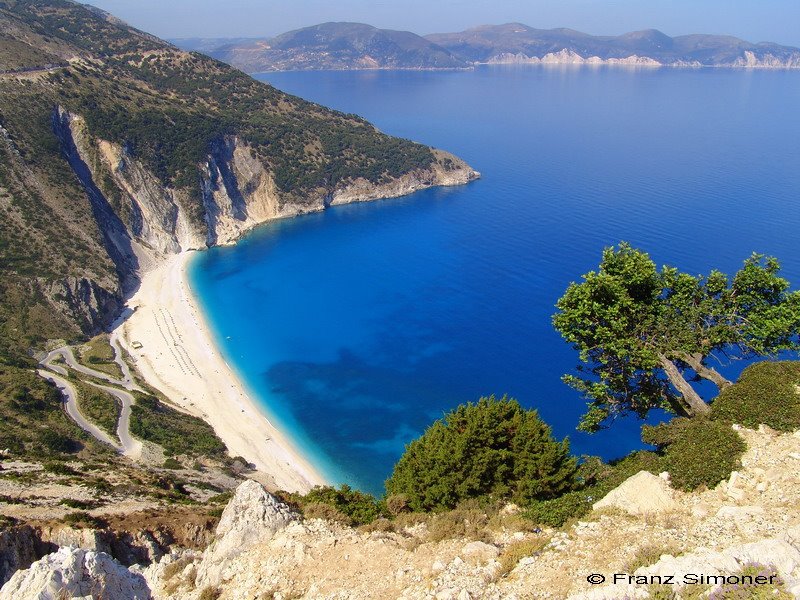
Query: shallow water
359,326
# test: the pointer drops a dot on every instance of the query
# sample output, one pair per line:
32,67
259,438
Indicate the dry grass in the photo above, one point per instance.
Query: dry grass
516,551
649,554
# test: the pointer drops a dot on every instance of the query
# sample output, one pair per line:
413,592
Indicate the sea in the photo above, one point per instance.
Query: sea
358,327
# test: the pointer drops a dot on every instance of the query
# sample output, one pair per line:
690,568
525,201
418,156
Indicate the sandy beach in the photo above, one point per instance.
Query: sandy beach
169,339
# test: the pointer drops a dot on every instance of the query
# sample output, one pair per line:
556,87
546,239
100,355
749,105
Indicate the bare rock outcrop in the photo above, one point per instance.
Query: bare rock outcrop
20,547
73,572
253,516
640,494
446,170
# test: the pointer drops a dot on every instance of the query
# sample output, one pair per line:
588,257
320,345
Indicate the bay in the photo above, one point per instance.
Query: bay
359,326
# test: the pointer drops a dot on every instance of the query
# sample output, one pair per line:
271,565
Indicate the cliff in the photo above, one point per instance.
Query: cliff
118,149
644,529
518,43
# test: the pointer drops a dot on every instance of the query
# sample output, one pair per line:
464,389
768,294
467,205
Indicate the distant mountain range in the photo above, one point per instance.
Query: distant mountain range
338,46
331,46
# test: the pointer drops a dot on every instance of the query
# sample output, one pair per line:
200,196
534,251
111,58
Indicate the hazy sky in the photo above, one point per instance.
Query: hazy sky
754,20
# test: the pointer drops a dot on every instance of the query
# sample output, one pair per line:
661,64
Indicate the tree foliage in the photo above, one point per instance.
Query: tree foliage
493,448
643,334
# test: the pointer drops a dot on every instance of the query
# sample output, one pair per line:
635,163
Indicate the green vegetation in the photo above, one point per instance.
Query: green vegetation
177,433
100,407
33,424
98,354
767,392
83,519
344,505
493,449
696,452
169,110
640,330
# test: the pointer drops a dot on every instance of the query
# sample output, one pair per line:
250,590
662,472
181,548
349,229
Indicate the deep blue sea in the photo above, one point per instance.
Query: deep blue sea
359,326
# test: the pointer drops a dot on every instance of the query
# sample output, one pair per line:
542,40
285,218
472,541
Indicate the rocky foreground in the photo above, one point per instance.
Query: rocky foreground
262,549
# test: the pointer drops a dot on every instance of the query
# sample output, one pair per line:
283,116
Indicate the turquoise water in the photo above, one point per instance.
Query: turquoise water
359,326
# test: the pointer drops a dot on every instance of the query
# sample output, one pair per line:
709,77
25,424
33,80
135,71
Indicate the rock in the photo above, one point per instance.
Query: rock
701,560
76,573
20,547
739,512
640,494
792,536
735,494
510,509
253,516
772,552
611,592
480,551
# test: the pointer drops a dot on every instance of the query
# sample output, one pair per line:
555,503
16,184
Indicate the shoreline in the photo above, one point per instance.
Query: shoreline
178,356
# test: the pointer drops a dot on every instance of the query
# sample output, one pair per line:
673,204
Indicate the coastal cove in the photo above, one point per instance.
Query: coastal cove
356,327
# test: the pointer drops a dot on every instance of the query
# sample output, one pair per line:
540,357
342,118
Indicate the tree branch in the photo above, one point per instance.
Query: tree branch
696,362
694,404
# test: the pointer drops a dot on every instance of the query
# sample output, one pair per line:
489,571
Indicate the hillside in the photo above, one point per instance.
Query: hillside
518,43
332,46
118,148
262,548
359,46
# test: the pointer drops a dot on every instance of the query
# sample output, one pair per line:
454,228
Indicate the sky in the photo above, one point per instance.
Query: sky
754,20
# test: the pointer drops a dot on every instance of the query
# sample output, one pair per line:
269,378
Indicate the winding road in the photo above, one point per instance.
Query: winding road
130,447
55,373
71,406
68,355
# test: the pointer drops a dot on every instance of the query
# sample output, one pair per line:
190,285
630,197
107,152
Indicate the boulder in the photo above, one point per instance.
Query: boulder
75,573
640,494
253,516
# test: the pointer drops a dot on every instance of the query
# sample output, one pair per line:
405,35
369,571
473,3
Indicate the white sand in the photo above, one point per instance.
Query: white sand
178,357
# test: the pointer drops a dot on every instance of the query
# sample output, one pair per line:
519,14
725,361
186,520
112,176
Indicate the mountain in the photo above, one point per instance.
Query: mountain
118,148
518,43
359,46
332,46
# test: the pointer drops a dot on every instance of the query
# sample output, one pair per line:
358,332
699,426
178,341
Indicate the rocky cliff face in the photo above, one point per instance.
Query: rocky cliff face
144,221
643,528
76,573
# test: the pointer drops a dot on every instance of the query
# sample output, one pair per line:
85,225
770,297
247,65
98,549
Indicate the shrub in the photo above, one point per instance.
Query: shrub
558,511
58,443
468,521
647,555
79,504
358,508
176,432
210,593
516,551
59,468
171,463
493,448
326,512
696,451
765,393
397,504
747,589
84,519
